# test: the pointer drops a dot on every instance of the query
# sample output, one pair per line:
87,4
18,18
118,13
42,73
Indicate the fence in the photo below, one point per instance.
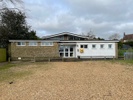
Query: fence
2,54
128,55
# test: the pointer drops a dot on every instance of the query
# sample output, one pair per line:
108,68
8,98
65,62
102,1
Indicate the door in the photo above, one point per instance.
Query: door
66,51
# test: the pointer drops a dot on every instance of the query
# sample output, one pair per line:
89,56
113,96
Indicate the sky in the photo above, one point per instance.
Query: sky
102,17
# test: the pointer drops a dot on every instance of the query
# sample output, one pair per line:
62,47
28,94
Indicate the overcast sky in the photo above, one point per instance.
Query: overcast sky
102,17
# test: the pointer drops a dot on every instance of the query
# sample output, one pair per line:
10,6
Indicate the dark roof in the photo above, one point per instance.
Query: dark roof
128,37
63,33
66,41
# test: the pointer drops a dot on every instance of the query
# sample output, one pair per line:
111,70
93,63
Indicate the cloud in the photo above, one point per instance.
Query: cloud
104,17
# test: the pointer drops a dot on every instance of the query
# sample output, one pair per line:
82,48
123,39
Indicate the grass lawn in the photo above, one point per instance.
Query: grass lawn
122,51
87,80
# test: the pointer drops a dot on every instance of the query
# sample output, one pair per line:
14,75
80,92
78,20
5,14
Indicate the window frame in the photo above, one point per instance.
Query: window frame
47,45
34,44
21,44
85,46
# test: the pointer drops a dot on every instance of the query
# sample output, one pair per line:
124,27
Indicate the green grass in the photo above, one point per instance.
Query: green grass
121,52
123,62
12,71
7,66
8,74
126,62
11,76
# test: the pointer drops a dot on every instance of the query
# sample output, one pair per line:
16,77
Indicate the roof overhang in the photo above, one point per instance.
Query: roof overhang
92,41
79,41
33,40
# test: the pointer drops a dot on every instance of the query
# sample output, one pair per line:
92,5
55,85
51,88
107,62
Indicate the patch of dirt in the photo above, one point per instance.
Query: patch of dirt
88,80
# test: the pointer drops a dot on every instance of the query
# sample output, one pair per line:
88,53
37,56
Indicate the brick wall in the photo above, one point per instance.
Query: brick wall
29,52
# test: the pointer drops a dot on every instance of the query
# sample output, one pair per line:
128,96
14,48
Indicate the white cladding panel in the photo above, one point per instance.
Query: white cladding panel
96,52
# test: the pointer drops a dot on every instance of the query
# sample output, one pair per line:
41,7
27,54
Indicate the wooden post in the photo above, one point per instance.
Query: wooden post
104,58
9,59
34,59
48,59
91,57
113,57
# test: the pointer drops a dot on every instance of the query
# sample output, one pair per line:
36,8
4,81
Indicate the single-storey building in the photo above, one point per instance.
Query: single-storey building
62,45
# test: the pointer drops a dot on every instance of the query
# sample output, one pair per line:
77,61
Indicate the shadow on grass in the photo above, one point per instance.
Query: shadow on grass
7,74
13,71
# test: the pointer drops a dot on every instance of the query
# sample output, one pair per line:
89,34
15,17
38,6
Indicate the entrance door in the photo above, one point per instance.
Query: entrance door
66,51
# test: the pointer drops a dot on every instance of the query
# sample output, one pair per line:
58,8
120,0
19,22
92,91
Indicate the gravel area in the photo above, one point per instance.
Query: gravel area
88,80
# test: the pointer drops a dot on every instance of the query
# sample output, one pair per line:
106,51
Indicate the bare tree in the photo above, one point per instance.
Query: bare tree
4,3
89,35
115,36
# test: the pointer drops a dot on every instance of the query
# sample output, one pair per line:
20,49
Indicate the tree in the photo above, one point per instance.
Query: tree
115,36
6,2
13,26
89,35
120,44
100,38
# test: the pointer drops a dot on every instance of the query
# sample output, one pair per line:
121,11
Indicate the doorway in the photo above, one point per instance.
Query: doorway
67,51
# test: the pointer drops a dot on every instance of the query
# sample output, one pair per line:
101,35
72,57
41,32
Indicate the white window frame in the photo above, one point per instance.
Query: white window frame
49,43
21,44
33,43
84,46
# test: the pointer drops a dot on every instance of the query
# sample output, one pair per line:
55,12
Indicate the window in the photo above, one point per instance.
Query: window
110,46
32,43
46,43
93,46
83,46
21,43
101,46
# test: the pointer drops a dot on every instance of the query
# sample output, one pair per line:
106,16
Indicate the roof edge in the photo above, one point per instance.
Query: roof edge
63,33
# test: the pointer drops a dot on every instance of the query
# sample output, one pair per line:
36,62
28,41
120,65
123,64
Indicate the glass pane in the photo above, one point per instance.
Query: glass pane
19,43
93,46
71,49
71,54
66,54
23,43
81,46
66,49
85,46
61,54
50,43
101,45
110,46
32,43
61,49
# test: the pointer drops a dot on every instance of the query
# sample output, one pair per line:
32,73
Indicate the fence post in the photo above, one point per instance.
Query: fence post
9,59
